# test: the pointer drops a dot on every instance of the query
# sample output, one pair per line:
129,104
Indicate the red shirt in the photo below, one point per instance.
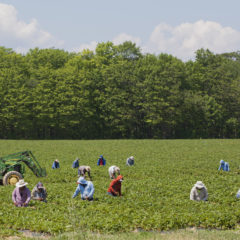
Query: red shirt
115,186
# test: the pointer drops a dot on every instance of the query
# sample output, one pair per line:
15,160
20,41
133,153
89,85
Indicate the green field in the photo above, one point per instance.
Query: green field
155,190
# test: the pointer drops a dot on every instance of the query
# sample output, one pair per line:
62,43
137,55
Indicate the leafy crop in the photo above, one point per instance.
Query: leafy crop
155,191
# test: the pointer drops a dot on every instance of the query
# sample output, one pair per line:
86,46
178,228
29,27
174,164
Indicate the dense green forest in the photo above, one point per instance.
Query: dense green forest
118,92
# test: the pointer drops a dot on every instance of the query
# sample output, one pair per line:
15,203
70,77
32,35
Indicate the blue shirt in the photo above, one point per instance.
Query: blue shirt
75,164
55,165
85,190
103,161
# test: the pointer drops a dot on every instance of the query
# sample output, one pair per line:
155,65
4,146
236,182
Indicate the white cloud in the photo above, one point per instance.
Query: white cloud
183,40
123,37
91,46
20,35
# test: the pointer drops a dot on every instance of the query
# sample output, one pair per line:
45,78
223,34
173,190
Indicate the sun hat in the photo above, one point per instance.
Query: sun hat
21,183
199,184
221,162
88,168
132,158
81,180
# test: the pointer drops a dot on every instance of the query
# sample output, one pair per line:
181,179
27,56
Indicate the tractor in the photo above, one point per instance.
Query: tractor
12,167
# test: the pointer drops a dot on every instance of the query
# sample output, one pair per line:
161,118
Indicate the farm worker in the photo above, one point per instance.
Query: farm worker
75,163
21,194
226,168
115,187
238,194
130,161
83,169
56,164
113,170
86,189
199,192
222,165
101,161
39,192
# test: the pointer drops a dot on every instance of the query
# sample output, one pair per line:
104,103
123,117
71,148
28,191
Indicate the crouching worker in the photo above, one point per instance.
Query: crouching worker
82,171
113,170
199,192
85,188
21,194
101,161
55,164
115,187
75,163
39,192
130,161
224,166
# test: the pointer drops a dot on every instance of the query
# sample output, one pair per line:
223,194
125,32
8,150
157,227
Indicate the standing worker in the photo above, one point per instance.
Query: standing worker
21,195
113,170
115,187
85,188
101,161
130,161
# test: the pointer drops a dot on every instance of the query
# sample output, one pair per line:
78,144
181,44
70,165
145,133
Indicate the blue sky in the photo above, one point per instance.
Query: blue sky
177,27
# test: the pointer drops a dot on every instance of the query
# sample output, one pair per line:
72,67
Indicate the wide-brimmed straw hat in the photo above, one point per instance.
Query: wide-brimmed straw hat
132,158
199,184
21,183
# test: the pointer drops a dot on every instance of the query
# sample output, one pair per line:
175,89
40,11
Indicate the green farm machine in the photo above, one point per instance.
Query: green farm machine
12,167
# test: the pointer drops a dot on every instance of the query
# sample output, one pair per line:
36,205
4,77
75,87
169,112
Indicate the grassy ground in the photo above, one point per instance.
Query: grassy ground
155,190
188,234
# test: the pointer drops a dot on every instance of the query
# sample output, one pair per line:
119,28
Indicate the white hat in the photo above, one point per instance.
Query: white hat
88,168
132,158
199,184
21,183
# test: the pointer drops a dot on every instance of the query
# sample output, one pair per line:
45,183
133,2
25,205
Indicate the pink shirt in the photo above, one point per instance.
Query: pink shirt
21,197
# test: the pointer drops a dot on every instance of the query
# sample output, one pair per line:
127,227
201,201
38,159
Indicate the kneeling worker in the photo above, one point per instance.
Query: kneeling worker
85,188
39,192
21,195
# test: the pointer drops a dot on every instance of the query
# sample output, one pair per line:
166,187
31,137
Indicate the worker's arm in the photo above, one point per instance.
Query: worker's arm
14,196
76,192
28,197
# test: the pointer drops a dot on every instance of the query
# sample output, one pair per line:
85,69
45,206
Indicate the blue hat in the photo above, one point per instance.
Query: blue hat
81,180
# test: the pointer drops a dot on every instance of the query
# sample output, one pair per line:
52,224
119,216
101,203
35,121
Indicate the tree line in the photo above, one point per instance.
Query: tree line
118,92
